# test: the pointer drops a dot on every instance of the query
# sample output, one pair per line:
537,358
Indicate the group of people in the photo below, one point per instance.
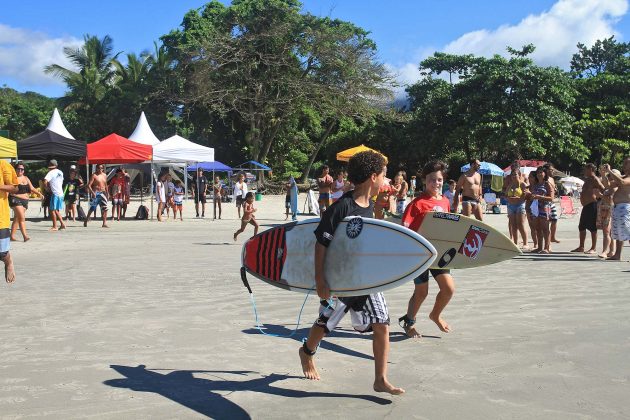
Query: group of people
528,197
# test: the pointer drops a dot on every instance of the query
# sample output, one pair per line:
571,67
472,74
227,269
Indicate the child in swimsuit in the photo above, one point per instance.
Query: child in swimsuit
248,215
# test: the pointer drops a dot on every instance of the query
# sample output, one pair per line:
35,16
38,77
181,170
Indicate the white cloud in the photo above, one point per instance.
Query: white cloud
555,33
25,53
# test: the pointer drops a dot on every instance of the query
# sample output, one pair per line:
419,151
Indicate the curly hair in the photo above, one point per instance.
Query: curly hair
363,165
434,166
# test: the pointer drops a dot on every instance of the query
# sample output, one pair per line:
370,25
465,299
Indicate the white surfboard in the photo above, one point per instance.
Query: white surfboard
464,242
365,256
312,203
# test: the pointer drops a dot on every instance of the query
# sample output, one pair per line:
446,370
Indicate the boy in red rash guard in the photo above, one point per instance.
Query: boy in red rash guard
430,200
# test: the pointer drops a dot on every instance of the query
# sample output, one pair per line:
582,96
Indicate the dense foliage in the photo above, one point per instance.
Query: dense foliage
262,80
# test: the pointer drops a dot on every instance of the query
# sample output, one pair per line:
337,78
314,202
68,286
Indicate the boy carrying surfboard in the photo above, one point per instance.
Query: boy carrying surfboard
366,170
430,200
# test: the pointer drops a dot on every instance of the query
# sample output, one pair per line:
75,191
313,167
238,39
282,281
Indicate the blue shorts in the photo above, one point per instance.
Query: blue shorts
56,202
515,209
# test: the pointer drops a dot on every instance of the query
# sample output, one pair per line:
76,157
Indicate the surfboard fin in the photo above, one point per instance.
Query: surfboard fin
244,279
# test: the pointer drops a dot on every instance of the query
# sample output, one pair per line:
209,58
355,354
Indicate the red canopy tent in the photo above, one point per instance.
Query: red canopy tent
117,149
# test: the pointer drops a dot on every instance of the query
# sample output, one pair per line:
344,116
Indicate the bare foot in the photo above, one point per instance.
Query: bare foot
27,238
442,325
53,229
590,251
412,332
383,385
555,240
603,255
9,271
105,226
13,239
62,227
578,249
308,366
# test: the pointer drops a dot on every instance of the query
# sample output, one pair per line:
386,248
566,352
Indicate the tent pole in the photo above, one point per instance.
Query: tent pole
152,195
186,182
214,199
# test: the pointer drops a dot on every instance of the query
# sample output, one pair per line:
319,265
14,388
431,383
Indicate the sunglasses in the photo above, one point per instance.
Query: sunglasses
19,169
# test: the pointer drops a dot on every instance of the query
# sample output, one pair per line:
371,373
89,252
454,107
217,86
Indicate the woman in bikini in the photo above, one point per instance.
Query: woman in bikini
515,189
217,188
604,216
531,183
542,196
19,203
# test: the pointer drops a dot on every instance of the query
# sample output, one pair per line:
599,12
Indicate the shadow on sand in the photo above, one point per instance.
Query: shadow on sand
199,394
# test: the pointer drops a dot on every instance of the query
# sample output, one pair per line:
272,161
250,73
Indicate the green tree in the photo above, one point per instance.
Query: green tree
24,114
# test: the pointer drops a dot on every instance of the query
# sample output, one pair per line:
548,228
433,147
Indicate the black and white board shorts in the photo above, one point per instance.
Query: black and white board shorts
364,311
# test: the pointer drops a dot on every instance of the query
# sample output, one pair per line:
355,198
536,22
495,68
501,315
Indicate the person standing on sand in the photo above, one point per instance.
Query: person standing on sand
621,211
553,211
325,183
240,192
217,189
97,191
366,170
199,189
19,203
71,190
604,214
588,217
54,181
8,185
469,185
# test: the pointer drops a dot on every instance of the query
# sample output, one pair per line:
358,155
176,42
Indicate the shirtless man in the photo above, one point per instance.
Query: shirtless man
588,199
469,185
621,211
325,184
97,189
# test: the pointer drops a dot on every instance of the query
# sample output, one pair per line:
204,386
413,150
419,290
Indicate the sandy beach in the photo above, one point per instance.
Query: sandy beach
151,320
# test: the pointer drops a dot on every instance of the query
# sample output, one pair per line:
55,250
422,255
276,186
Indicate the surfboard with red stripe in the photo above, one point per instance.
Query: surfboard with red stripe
365,256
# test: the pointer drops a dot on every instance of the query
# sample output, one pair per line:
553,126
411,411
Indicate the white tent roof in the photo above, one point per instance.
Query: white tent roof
178,149
56,125
143,133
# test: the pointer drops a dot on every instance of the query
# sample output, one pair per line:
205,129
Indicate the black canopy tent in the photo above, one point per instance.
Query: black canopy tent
47,144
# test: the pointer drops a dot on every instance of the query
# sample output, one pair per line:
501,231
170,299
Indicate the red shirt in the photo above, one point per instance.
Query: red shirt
420,206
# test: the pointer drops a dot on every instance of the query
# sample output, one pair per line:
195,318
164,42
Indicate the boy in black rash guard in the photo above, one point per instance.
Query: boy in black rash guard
366,170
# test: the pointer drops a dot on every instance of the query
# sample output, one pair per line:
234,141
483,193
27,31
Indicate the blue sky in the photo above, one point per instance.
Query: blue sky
33,33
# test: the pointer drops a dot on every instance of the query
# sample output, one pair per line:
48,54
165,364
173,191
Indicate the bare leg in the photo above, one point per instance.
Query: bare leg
520,224
513,228
607,241
104,218
420,293
447,289
592,249
21,219
380,347
544,231
87,217
197,208
253,222
477,212
617,256
315,336
9,270
14,225
466,209
53,215
582,240
554,228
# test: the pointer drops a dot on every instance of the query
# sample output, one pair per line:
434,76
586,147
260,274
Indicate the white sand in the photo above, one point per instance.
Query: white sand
151,320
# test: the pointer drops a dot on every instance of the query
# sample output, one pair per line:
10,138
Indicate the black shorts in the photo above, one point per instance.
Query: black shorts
239,201
200,199
16,201
588,218
424,277
71,199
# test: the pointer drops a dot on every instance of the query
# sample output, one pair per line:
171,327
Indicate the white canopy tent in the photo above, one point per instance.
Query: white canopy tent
56,125
143,133
178,150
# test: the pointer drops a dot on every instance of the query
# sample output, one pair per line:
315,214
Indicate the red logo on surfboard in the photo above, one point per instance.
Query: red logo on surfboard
473,242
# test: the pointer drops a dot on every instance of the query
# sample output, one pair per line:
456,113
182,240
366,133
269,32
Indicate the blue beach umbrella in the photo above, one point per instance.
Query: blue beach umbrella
487,168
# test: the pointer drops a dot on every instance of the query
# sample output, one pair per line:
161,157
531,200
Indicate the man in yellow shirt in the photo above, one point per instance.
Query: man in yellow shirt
8,184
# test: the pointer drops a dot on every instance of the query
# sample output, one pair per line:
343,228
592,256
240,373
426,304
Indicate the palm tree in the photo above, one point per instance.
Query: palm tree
95,73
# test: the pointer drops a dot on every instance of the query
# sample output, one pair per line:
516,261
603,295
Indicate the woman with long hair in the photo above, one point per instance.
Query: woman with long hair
19,203
542,197
528,207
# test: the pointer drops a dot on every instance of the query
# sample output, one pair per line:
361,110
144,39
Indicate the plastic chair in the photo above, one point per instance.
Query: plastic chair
491,200
566,206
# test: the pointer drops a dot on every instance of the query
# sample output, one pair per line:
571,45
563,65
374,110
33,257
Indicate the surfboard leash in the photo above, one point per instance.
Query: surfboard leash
253,301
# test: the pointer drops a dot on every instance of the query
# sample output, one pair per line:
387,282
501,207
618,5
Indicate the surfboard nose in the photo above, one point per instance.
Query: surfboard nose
249,254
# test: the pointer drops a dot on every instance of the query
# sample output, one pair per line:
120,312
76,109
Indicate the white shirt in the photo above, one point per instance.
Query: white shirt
240,190
55,180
